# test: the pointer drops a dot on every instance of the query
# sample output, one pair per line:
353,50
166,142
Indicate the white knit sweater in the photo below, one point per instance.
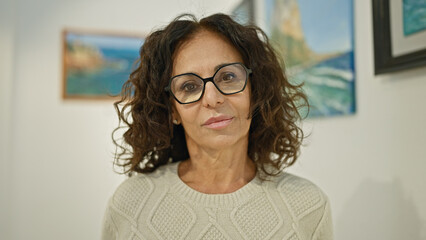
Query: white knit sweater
160,206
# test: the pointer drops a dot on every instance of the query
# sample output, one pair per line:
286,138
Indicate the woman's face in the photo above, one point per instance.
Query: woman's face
216,120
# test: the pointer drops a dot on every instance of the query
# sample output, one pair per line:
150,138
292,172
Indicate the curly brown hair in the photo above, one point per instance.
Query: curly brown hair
151,139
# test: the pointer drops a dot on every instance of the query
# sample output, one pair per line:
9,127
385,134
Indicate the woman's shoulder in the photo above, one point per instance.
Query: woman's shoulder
307,204
301,195
135,190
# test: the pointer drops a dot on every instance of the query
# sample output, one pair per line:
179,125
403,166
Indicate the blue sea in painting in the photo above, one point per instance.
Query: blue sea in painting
414,16
106,80
315,39
330,86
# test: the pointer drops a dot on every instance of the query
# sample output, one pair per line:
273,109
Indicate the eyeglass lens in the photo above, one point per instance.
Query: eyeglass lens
189,87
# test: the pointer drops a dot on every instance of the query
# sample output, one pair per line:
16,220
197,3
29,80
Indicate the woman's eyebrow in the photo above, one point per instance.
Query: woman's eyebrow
215,69
220,65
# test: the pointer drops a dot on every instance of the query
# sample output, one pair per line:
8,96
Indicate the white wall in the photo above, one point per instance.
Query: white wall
61,175
370,164
6,68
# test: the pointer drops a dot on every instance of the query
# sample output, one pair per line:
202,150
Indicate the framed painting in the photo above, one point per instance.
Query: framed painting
243,13
399,35
96,64
315,40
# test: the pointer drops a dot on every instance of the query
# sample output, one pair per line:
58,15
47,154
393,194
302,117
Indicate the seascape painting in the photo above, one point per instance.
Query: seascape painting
244,12
315,39
414,16
97,65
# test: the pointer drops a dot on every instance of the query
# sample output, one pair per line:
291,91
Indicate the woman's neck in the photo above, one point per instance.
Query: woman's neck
217,171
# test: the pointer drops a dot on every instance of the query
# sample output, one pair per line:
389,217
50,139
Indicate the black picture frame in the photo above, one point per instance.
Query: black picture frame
384,61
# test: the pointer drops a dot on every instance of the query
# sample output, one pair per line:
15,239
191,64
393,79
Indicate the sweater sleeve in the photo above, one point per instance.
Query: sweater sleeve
109,230
324,230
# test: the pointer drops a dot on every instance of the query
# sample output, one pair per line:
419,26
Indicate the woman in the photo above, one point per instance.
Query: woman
211,123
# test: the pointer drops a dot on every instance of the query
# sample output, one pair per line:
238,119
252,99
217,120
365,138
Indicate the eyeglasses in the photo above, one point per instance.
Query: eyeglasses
228,79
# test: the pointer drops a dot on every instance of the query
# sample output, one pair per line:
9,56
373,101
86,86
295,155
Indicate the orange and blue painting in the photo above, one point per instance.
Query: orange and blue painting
97,65
315,39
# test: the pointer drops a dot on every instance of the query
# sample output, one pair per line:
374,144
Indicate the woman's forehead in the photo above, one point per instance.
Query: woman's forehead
204,52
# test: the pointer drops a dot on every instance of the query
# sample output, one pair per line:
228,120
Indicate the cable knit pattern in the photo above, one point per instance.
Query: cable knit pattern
213,233
160,206
247,218
136,238
324,228
293,237
132,195
301,195
166,216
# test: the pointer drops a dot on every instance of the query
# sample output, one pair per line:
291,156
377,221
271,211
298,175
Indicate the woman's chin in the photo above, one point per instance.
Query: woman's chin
221,142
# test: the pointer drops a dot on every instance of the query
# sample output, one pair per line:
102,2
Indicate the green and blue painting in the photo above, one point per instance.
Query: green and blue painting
315,39
414,16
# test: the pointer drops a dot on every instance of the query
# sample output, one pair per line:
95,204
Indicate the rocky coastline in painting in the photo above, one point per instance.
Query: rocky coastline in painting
327,77
82,57
93,70
287,35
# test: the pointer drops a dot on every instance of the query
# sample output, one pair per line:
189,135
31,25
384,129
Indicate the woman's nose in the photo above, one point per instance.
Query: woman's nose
212,96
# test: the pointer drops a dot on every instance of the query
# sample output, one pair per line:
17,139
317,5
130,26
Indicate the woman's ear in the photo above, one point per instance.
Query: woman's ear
175,116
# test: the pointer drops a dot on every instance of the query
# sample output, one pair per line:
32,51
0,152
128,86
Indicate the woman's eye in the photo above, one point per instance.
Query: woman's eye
228,76
188,87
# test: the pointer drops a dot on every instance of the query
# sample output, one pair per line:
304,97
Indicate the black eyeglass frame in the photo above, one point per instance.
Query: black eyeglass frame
210,79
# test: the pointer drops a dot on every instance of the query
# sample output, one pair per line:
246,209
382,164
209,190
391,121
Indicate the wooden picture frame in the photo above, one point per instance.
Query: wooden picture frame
386,34
97,63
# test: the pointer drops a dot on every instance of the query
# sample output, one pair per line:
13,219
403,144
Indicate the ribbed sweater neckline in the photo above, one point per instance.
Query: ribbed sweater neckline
210,200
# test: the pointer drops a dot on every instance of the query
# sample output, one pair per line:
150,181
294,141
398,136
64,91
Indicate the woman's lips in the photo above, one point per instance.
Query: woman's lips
218,122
